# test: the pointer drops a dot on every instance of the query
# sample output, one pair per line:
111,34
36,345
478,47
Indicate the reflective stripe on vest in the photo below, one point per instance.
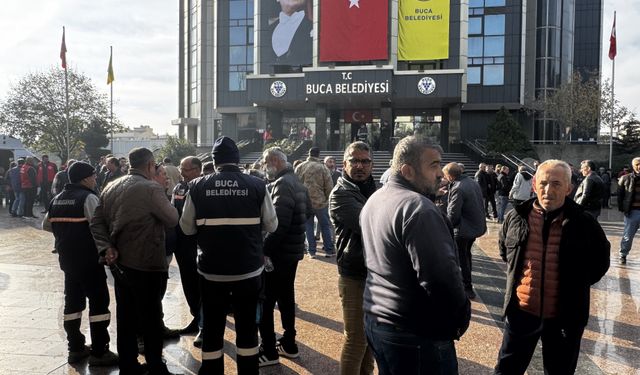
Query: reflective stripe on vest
229,221
67,219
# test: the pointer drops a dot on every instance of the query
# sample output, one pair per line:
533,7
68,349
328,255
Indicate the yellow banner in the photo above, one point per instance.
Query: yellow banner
423,30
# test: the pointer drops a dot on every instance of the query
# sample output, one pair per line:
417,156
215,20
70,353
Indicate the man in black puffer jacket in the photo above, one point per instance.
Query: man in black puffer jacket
285,248
347,198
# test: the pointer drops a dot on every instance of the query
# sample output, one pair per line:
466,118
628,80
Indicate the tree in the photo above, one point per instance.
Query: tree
34,110
621,114
574,106
505,135
630,136
176,148
95,138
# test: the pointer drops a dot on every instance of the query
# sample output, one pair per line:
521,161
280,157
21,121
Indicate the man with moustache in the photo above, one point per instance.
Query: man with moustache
414,299
187,248
347,198
554,252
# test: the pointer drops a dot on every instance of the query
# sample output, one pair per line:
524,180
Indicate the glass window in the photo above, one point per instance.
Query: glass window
493,75
475,47
494,46
238,55
494,3
499,60
494,24
476,3
473,75
250,8
249,55
250,34
477,61
237,9
237,35
475,25
488,60
237,81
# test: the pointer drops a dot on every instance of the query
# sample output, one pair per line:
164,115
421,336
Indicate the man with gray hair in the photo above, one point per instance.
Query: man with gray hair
284,248
466,213
629,204
554,252
414,299
589,193
129,229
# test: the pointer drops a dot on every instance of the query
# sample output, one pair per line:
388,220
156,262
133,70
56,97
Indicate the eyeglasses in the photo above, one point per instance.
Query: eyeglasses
363,162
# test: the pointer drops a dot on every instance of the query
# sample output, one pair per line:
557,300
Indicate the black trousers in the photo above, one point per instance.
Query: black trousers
186,254
464,257
29,198
77,289
216,297
490,199
279,287
560,345
139,308
45,195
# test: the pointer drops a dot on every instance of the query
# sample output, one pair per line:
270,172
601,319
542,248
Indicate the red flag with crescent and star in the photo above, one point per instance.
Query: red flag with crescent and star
358,116
354,30
613,50
63,51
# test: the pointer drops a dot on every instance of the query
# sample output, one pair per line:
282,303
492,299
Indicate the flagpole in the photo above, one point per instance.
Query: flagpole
111,117
613,101
66,95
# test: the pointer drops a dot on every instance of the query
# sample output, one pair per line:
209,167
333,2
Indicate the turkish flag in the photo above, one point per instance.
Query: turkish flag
358,116
613,50
354,30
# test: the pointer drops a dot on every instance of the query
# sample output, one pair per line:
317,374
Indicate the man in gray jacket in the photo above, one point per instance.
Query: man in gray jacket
414,300
466,213
129,229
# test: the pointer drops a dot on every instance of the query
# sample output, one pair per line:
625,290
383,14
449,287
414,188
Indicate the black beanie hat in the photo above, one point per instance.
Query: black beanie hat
225,151
79,171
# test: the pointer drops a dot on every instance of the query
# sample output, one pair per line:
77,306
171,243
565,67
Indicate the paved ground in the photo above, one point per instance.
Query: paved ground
33,340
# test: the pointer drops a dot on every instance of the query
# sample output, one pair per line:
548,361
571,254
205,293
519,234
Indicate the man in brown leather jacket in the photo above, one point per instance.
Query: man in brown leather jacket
129,229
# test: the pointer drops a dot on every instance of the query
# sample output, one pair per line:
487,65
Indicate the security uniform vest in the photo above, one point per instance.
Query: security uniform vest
228,207
76,248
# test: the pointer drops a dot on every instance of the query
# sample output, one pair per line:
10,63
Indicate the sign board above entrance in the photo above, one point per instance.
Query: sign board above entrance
348,83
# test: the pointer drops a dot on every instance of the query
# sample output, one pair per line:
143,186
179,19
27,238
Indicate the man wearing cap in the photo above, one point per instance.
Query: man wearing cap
315,176
129,229
68,217
228,211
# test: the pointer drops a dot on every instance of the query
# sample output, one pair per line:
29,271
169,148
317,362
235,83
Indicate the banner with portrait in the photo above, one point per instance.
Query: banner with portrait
423,30
286,35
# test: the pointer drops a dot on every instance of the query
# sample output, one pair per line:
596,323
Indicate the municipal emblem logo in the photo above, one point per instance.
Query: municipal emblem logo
278,89
426,85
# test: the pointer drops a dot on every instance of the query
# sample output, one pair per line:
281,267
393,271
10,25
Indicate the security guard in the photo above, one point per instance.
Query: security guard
68,218
229,210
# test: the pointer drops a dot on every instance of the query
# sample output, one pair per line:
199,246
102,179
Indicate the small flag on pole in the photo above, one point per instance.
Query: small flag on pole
110,76
63,51
613,51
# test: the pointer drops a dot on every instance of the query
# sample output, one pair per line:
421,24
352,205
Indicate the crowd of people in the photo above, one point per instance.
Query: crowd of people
404,252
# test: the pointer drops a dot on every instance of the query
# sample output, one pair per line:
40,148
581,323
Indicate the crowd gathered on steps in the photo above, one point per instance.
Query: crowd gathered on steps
403,247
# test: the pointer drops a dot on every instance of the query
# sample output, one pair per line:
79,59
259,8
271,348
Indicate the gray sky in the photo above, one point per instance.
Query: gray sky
144,36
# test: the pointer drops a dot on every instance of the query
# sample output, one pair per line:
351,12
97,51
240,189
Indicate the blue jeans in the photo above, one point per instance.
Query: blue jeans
631,224
401,352
18,204
325,227
503,202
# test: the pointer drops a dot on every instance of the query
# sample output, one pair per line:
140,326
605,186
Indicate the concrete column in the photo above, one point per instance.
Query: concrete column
444,130
453,134
321,126
334,130
386,127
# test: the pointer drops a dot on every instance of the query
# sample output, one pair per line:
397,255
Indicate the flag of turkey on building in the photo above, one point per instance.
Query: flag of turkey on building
353,30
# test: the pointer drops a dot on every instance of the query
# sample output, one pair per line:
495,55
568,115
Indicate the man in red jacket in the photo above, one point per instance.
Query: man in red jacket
46,172
29,186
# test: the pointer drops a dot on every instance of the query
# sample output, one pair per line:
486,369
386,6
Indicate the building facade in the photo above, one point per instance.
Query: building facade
340,70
